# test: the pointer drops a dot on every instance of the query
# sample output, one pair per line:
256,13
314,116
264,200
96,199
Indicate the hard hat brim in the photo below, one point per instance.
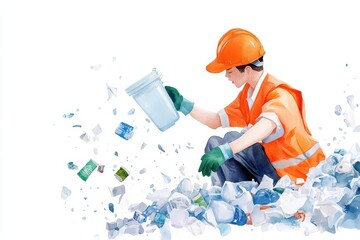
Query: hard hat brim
215,67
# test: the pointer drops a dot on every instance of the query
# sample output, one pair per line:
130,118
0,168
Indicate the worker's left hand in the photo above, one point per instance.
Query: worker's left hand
212,160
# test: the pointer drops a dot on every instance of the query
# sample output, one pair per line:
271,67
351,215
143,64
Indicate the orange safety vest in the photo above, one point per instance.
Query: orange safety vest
296,151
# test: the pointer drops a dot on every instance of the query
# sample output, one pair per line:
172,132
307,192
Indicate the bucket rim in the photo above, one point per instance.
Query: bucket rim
143,82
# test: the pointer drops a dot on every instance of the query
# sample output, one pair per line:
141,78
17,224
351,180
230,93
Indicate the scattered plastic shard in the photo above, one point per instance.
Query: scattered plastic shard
185,187
142,171
111,207
189,146
131,111
65,192
179,201
140,207
68,115
113,233
182,170
95,151
116,153
224,228
258,217
96,67
350,100
266,182
114,111
159,219
115,191
178,217
125,131
140,218
195,226
97,130
134,228
111,91
165,232
85,137
112,226
349,119
143,145
161,148
159,195
77,126
72,166
101,168
230,192
338,110
89,167
166,178
121,174
357,128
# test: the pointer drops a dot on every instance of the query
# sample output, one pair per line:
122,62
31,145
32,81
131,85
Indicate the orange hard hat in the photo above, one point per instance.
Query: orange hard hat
236,47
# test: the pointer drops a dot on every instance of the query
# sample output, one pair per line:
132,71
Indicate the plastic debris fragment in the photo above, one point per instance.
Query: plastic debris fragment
85,137
111,207
111,91
338,110
124,130
131,111
96,67
97,130
68,115
118,190
72,166
101,168
166,178
161,148
65,192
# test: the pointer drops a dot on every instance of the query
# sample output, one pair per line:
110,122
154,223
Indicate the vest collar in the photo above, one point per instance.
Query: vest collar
252,93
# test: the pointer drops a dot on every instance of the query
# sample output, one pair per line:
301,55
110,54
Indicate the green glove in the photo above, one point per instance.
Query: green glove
181,104
212,160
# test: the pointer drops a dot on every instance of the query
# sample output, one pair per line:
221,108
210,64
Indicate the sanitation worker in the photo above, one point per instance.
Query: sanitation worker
275,140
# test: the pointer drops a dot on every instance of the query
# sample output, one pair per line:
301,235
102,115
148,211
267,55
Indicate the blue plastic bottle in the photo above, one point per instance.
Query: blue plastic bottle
265,196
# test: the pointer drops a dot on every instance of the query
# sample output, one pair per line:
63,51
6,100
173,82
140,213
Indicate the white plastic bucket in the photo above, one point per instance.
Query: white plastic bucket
152,97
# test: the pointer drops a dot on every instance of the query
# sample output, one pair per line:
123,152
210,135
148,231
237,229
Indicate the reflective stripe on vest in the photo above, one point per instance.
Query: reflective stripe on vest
296,160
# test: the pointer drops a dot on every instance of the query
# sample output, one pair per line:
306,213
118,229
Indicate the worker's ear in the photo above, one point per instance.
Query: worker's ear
247,69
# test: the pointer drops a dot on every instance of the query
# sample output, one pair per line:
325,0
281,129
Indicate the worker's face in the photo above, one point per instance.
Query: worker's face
236,77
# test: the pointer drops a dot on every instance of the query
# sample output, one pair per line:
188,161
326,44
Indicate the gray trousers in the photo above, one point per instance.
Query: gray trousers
249,164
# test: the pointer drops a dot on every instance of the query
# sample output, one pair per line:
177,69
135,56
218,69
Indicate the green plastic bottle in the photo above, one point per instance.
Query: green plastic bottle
89,167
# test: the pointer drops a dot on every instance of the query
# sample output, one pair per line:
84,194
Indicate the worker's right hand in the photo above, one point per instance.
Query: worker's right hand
181,104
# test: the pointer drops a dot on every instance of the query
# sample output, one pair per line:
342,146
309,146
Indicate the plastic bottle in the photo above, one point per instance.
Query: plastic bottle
265,196
89,167
352,213
198,199
226,213
344,172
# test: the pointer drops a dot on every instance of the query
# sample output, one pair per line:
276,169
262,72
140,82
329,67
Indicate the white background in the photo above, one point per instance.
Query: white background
48,49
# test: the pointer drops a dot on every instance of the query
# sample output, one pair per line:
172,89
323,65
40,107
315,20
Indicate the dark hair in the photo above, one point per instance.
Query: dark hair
253,67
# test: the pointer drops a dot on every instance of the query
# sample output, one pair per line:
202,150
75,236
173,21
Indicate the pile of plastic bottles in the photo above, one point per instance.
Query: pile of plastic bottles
327,200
